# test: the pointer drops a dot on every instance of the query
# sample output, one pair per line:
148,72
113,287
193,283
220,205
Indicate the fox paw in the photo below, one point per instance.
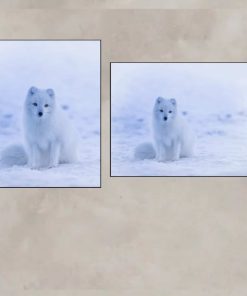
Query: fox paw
161,159
52,165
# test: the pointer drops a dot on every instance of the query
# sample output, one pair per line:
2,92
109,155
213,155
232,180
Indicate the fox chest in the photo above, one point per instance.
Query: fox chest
44,144
42,139
167,139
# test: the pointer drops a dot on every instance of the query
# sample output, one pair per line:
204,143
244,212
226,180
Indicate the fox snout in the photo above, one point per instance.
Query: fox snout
165,118
40,114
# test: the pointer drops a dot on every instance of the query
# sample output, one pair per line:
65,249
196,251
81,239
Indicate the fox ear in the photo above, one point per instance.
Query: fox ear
32,90
173,101
159,100
50,92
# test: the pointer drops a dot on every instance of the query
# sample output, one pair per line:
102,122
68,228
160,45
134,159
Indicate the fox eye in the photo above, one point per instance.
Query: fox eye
170,111
46,105
161,110
35,104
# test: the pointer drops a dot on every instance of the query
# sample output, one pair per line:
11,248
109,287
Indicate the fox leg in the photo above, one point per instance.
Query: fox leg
54,154
160,152
175,150
34,159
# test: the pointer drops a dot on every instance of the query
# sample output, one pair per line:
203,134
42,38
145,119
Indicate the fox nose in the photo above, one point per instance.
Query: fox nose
165,118
40,114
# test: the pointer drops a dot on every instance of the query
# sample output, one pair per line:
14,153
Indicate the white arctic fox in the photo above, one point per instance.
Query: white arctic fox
50,139
172,137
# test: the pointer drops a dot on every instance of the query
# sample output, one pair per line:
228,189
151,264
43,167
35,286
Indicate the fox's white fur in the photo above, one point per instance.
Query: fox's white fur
172,136
49,137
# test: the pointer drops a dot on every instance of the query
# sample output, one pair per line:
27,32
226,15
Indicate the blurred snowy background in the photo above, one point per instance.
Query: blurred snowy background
72,69
211,96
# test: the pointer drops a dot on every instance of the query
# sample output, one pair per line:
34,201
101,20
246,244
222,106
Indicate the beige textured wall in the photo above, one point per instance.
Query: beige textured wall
123,4
152,236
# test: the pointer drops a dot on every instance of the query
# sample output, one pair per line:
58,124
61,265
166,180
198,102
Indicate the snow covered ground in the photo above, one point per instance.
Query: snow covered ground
72,69
212,97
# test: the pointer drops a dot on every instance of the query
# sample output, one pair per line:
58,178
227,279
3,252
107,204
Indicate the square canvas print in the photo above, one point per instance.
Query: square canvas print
50,113
178,119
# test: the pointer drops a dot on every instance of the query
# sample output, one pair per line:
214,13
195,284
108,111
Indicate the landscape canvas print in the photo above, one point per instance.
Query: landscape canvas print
178,119
50,113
